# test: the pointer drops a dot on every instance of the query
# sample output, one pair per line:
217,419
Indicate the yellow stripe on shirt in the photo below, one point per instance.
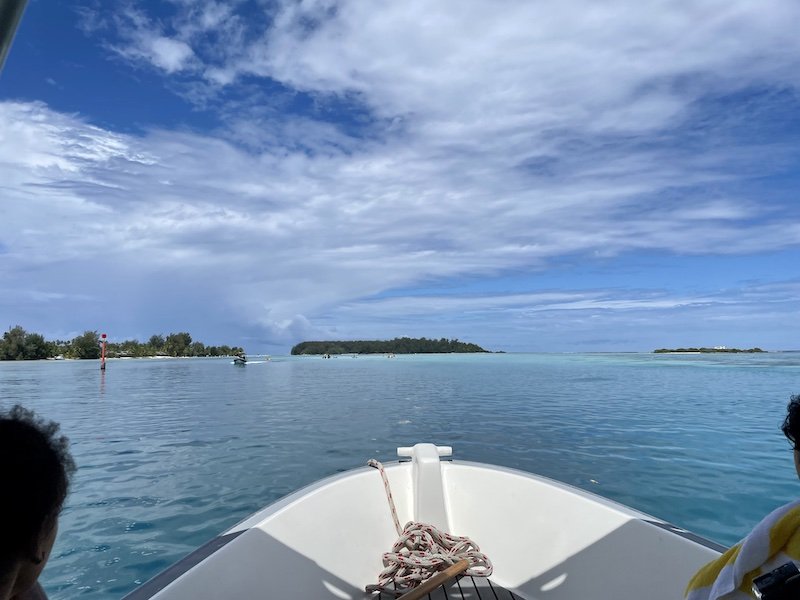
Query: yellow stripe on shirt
783,535
708,574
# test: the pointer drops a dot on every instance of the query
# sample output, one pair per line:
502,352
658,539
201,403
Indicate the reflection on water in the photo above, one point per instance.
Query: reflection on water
172,452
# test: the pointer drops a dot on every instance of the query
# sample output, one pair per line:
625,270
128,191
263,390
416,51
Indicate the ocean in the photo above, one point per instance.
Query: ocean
172,452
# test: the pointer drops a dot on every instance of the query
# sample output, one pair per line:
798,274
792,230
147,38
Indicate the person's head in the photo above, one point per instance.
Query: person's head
791,428
35,470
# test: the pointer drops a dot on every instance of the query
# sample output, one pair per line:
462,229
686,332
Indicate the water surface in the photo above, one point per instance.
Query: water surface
172,452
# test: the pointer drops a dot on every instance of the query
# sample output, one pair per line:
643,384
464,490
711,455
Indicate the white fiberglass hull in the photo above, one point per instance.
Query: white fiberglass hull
545,539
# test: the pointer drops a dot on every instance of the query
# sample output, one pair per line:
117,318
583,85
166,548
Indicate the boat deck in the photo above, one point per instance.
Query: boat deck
326,541
466,588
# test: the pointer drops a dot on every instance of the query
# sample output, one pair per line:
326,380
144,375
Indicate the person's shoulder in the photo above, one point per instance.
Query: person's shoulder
790,508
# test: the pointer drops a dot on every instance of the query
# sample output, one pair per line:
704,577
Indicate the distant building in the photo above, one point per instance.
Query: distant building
720,347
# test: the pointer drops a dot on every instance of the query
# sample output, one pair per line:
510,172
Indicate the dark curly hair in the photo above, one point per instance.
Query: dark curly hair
791,424
35,471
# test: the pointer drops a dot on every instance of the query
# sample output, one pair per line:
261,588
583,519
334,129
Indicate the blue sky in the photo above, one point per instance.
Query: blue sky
546,177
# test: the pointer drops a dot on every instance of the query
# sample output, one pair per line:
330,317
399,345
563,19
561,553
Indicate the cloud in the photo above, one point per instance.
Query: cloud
600,319
615,67
169,54
279,239
357,151
612,68
142,40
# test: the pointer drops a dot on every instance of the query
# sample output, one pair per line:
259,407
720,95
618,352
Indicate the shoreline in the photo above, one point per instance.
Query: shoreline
110,358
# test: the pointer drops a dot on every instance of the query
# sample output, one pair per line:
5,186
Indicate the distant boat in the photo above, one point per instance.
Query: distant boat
240,360
545,539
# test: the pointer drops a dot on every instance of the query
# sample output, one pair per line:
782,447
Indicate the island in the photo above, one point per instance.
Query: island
404,345
18,344
714,350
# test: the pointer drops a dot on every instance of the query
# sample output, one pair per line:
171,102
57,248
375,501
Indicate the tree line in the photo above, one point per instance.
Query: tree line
402,345
18,344
708,350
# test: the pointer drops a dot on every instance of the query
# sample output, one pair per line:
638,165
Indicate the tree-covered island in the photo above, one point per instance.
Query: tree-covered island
18,344
715,350
402,345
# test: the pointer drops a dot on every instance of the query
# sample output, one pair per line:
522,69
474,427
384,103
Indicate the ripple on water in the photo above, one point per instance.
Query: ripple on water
171,453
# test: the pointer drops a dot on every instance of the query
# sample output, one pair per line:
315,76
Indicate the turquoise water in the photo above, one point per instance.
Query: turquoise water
171,452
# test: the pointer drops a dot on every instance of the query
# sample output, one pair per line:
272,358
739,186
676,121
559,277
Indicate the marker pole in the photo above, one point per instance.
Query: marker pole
103,353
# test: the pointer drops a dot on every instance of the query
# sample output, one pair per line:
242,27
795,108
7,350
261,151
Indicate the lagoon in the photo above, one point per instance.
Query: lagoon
172,452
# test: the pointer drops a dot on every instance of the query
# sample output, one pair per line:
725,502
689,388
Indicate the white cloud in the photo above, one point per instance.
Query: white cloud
166,53
600,319
280,238
143,40
605,67
474,68
490,141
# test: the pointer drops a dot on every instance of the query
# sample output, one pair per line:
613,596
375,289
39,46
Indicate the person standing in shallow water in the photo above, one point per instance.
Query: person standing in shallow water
35,472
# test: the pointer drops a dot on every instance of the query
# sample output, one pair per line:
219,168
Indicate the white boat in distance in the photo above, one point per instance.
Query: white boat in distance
546,540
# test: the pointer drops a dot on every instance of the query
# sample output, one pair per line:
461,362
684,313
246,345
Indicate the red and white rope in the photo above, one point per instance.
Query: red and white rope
376,464
421,551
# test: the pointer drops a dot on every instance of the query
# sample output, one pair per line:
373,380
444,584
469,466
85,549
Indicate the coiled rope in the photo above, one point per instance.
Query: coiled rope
421,551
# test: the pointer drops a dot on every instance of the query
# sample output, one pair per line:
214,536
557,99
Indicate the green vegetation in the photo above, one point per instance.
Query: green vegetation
17,344
707,350
397,346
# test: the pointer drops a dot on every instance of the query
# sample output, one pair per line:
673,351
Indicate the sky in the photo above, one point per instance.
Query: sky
528,176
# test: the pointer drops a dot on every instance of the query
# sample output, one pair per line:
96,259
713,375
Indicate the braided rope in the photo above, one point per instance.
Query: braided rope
376,464
421,551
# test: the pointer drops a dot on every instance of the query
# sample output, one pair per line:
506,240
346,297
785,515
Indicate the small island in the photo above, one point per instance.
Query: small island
18,344
714,350
402,345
